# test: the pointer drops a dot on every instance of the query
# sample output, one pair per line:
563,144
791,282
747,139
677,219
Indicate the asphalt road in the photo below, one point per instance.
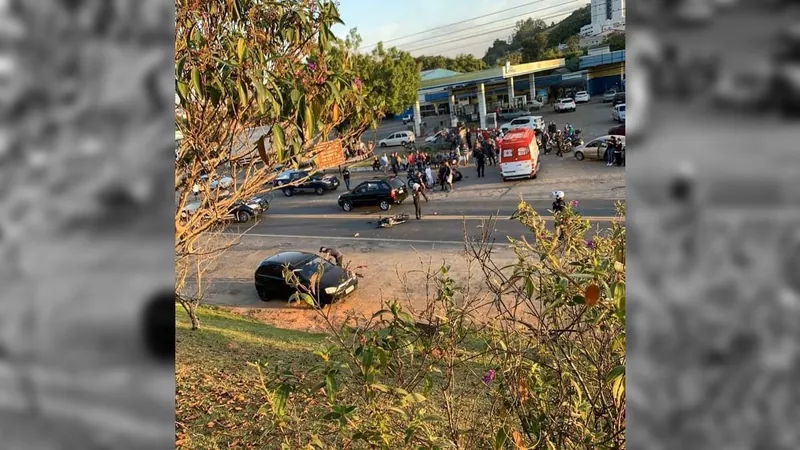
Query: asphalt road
443,221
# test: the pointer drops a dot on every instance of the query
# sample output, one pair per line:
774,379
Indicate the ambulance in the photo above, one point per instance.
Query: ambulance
519,154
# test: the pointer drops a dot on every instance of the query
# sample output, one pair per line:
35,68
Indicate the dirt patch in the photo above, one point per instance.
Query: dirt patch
390,272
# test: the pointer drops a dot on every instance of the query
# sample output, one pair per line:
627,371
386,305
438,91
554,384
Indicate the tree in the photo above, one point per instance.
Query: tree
258,86
574,43
390,78
461,63
616,41
497,50
511,58
569,26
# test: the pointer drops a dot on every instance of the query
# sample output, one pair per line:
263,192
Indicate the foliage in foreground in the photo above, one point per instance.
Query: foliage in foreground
536,360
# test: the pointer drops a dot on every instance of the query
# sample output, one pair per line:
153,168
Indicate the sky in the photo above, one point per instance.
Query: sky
394,21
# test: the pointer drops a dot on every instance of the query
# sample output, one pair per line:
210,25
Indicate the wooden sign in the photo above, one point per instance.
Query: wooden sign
328,154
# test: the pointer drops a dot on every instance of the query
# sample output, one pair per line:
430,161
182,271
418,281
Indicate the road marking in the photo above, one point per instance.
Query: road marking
351,238
427,217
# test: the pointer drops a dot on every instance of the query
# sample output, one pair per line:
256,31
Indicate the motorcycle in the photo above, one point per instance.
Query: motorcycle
389,222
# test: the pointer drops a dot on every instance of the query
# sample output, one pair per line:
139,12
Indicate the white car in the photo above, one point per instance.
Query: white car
596,148
618,113
582,97
408,118
534,105
223,183
530,122
505,127
565,104
434,137
399,138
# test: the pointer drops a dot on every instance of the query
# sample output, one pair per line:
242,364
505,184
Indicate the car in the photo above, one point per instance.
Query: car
239,211
380,192
318,183
399,138
530,122
618,130
618,99
505,127
565,104
608,96
328,281
223,182
595,148
582,97
618,113
408,118
534,105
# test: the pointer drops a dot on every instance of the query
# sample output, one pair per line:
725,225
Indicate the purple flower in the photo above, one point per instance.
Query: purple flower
489,377
357,82
590,244
312,66
574,203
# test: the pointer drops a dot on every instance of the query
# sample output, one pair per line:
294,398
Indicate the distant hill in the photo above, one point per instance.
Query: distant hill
569,26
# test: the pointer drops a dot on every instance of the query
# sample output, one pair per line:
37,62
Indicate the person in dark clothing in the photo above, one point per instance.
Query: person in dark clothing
469,140
395,165
417,201
551,128
346,177
545,141
490,155
559,143
480,162
328,252
443,176
417,182
558,207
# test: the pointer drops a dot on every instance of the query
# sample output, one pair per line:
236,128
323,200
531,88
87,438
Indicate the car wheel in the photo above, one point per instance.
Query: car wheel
243,216
383,144
385,205
347,206
280,183
288,192
261,295
319,190
579,155
404,144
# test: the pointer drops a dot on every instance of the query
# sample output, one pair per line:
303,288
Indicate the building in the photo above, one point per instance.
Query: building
605,70
606,15
598,39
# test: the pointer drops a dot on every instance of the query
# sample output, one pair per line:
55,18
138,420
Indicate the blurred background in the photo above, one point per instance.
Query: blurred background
86,268
714,236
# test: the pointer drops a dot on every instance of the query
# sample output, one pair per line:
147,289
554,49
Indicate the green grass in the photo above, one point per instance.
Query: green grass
217,392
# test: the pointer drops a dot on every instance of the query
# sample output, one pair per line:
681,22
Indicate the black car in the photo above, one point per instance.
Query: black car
317,183
381,192
239,211
333,282
619,98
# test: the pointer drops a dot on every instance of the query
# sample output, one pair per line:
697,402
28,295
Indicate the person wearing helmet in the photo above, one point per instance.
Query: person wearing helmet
558,204
559,143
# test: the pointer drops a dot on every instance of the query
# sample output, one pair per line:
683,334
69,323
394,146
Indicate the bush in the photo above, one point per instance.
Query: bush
535,360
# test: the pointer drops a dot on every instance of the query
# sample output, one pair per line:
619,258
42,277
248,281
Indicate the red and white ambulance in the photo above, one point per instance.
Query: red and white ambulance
519,154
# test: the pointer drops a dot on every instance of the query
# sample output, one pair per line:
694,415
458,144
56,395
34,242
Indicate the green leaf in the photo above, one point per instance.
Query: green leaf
331,387
197,83
406,318
308,121
261,96
278,141
618,389
397,410
295,96
332,416
241,49
183,90
414,398
179,67
380,387
305,298
500,438
281,395
242,94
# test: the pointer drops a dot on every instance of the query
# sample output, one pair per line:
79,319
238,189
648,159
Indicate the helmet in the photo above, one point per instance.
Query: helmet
558,194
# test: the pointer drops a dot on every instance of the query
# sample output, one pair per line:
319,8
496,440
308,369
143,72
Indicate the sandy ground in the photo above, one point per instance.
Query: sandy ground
390,272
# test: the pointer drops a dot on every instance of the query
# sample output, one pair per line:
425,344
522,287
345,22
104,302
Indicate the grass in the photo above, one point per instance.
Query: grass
217,395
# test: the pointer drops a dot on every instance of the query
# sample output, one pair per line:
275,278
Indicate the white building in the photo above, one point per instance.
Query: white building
606,15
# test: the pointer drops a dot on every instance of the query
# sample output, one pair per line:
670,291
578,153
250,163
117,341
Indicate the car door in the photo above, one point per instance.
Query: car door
382,191
359,194
372,195
271,278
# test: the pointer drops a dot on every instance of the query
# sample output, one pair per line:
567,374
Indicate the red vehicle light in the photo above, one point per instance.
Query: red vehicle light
393,194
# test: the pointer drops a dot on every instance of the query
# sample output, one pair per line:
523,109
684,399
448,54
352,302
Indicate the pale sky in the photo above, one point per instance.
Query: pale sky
391,22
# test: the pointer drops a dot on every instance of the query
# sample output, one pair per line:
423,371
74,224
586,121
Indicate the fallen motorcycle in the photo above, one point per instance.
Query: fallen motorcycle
389,222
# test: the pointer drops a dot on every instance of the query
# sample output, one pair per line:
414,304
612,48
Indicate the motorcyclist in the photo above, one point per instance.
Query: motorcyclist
569,130
559,205
559,143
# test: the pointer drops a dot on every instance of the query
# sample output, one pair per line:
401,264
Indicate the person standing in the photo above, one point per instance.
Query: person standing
346,177
559,144
480,162
610,149
448,176
428,176
417,202
490,154
329,252
385,164
469,140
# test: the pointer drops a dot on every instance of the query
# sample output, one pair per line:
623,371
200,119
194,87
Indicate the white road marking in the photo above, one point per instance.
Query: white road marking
427,217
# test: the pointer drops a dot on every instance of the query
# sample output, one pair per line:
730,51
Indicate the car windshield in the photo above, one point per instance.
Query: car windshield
396,183
622,108
313,265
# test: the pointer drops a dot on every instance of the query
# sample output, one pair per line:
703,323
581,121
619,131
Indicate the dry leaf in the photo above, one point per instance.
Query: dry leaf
592,294
516,436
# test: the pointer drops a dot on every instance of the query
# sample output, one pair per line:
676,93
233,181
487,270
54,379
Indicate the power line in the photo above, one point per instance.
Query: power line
474,43
496,30
509,26
451,24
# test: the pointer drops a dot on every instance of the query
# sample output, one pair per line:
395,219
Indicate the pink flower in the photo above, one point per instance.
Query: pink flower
590,244
489,377
357,82
312,66
574,203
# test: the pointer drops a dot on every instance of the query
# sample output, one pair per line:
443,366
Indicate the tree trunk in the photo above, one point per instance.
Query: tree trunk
191,309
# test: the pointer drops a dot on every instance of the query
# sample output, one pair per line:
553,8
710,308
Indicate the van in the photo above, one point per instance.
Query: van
399,138
519,154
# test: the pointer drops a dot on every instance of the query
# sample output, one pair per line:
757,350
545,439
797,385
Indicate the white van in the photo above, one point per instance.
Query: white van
398,138
530,122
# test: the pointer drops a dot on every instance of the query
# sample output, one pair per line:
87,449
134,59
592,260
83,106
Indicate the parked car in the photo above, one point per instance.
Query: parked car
329,281
565,104
618,99
530,122
399,138
317,183
618,113
223,182
239,212
582,97
408,118
534,105
380,192
608,96
512,113
596,148
618,130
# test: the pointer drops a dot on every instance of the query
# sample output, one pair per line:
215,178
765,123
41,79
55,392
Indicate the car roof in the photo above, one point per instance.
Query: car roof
293,258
